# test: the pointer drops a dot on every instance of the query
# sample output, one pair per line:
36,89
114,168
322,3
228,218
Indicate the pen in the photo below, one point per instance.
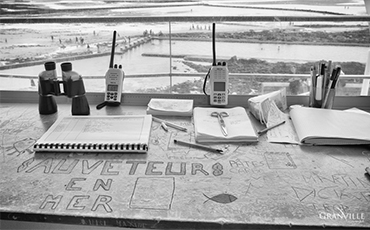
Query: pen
335,76
164,126
313,86
204,147
268,128
327,78
320,80
330,94
178,127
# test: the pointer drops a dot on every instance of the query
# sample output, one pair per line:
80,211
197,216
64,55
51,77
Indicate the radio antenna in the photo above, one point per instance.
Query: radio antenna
214,43
112,52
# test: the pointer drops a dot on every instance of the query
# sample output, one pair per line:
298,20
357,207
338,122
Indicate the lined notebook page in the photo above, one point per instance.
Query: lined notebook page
331,127
97,130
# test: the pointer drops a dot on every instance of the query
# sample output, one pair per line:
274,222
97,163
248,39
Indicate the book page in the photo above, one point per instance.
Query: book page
238,124
284,133
333,126
109,129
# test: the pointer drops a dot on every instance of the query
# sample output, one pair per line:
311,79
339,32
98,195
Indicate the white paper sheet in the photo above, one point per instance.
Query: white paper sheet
284,133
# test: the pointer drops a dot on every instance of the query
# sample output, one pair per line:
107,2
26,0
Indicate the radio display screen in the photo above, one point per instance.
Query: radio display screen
112,87
219,86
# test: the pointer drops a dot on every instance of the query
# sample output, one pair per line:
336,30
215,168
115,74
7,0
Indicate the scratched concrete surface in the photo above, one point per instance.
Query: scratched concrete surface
263,183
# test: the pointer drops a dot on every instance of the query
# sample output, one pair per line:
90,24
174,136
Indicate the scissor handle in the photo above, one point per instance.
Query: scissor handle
224,114
217,114
214,114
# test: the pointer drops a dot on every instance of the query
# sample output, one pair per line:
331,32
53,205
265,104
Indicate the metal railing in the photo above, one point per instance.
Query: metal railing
238,75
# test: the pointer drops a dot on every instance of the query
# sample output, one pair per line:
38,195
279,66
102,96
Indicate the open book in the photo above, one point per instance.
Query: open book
97,134
330,127
238,125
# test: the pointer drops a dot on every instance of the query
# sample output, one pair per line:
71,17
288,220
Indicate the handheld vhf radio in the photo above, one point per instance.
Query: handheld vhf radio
219,78
113,81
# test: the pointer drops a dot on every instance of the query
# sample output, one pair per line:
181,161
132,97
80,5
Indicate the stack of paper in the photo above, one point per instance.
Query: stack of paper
170,107
238,126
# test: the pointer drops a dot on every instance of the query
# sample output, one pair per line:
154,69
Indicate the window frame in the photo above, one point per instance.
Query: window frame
342,102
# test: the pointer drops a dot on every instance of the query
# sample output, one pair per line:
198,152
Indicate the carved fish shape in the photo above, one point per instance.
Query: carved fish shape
222,198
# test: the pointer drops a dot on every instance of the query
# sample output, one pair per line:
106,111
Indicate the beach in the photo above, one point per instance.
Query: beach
28,43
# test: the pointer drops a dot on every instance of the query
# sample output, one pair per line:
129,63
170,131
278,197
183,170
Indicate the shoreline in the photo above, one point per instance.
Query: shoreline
67,57
264,42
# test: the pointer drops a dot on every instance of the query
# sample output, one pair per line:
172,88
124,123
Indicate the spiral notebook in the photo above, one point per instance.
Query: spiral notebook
120,134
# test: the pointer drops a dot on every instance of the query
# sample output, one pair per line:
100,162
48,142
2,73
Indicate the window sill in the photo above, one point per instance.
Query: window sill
140,99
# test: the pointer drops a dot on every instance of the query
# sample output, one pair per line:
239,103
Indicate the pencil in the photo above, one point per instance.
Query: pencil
164,126
271,127
178,127
204,147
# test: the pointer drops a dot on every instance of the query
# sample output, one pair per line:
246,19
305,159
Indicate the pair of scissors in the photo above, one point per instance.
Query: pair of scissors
221,121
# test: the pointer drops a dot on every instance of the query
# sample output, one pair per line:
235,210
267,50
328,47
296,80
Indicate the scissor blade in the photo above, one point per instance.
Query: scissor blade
223,130
223,126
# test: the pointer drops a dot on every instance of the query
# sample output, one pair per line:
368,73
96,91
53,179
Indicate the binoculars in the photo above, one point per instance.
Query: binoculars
73,87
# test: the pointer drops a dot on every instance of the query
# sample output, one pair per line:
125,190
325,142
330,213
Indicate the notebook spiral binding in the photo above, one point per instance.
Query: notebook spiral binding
91,147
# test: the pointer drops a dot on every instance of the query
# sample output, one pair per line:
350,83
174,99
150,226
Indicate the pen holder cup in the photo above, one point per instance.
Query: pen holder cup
74,88
311,97
313,102
329,99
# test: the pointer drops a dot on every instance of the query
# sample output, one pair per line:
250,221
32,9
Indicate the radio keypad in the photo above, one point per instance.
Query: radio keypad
111,96
219,97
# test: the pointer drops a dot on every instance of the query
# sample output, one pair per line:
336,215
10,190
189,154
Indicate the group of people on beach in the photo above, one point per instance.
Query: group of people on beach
200,27
79,40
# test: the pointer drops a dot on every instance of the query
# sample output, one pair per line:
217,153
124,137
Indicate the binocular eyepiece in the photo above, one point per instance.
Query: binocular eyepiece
73,87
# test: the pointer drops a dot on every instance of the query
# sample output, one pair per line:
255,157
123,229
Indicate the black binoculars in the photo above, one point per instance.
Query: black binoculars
73,87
